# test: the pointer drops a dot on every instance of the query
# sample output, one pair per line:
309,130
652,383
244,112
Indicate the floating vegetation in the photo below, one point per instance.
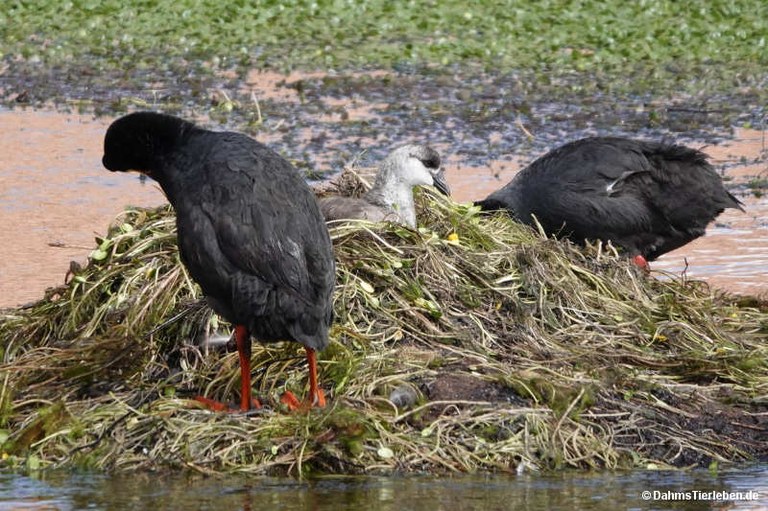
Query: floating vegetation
718,37
473,344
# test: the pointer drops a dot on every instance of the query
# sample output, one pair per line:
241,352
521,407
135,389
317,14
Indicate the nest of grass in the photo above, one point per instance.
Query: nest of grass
474,344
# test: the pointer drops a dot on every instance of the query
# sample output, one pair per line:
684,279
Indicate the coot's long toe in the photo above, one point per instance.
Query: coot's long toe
647,197
249,231
391,196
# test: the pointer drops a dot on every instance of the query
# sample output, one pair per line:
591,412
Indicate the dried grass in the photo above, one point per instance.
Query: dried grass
521,352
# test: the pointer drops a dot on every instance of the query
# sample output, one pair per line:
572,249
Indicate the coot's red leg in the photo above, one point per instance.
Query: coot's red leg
243,341
316,396
641,262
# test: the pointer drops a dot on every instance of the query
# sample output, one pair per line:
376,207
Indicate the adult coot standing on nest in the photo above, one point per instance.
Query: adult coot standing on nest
648,198
249,231
391,196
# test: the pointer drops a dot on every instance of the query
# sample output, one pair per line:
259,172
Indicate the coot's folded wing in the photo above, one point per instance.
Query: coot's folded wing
275,231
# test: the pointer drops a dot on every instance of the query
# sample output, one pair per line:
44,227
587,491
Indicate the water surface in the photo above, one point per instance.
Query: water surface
568,490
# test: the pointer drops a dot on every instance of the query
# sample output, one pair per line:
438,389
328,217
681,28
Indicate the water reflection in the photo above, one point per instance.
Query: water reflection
589,491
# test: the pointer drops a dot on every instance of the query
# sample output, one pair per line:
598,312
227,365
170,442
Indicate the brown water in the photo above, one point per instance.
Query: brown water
567,490
55,196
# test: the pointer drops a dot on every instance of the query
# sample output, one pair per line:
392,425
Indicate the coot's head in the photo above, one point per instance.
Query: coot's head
136,141
418,165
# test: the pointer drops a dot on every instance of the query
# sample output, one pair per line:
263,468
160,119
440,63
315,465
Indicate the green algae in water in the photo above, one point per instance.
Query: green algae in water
666,39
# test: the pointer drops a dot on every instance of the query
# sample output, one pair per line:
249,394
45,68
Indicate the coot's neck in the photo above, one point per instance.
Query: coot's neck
164,166
395,194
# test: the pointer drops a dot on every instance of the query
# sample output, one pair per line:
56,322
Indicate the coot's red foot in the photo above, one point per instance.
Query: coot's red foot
218,406
641,262
319,399
291,401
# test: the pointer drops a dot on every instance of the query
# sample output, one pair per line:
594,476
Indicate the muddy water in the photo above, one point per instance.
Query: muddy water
55,196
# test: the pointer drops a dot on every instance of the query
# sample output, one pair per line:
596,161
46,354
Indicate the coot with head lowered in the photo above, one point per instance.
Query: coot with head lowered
249,231
647,197
391,196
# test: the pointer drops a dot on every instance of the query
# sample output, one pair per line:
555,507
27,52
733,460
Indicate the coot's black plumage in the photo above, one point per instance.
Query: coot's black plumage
249,230
647,197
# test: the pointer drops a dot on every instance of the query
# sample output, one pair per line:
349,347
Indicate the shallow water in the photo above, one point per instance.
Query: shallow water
55,196
576,491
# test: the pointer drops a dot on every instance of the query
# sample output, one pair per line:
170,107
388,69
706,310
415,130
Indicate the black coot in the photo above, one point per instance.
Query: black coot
249,231
647,197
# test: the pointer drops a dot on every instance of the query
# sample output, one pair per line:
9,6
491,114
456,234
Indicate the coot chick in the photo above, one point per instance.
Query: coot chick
647,197
391,196
249,232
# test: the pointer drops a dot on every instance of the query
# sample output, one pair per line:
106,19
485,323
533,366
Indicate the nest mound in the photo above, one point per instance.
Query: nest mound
472,344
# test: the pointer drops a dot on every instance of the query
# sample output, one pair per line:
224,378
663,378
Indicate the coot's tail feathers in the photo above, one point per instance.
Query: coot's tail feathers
690,168
675,152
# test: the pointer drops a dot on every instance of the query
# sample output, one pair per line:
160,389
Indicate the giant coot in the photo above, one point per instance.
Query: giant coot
647,197
249,232
391,196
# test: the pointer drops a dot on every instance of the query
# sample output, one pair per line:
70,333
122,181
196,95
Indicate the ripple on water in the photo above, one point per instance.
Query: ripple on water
563,490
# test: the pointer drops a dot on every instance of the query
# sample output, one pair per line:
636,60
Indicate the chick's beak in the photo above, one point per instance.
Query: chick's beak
440,183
